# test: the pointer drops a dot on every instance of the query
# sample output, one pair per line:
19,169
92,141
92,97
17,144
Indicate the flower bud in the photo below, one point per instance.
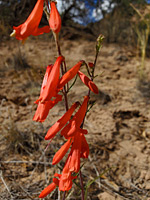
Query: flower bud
55,19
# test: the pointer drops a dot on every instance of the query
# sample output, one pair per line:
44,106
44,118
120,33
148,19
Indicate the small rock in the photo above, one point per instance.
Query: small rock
147,187
147,177
122,58
106,196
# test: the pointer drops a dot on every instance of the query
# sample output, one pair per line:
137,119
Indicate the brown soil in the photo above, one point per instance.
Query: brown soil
118,124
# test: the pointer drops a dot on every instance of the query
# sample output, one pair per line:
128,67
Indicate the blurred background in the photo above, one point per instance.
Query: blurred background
114,18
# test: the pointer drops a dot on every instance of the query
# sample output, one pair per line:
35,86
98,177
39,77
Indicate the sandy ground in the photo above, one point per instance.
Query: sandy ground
118,124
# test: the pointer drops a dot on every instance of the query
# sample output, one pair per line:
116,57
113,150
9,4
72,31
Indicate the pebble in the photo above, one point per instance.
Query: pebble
107,196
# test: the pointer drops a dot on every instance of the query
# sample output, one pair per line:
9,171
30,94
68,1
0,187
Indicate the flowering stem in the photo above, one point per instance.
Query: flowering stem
63,70
82,187
64,196
47,5
98,46
96,56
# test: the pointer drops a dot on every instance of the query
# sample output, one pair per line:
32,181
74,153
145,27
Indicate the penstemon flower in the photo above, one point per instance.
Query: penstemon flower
74,164
65,181
61,122
43,108
50,89
50,187
70,74
62,152
74,125
90,84
30,26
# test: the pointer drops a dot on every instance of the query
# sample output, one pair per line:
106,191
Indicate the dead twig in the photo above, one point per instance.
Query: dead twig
25,192
24,162
7,188
97,173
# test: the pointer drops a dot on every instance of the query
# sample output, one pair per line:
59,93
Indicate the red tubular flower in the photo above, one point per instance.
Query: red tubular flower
69,74
62,152
90,84
43,108
52,82
55,19
65,182
47,73
61,122
66,129
49,188
30,26
40,31
77,120
74,164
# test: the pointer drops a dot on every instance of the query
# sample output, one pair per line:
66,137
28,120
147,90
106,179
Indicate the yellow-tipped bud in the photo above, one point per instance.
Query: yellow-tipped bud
13,34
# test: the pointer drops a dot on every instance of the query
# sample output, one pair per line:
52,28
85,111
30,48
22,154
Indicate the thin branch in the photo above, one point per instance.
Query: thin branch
1,176
63,70
26,162
25,192
64,196
82,187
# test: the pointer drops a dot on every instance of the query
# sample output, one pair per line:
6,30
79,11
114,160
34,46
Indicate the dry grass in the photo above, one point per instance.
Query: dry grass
17,141
4,29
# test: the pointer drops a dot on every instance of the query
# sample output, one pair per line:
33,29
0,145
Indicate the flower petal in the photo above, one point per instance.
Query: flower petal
52,81
47,190
69,74
74,164
43,109
61,122
61,152
65,182
47,73
31,24
40,31
75,123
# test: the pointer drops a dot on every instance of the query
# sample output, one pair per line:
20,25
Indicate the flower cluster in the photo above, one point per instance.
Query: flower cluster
69,125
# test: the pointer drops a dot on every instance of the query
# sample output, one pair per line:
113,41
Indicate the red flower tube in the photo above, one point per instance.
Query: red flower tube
65,181
69,74
61,152
74,164
66,129
77,120
55,19
47,73
61,122
30,26
49,188
52,82
43,108
90,84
